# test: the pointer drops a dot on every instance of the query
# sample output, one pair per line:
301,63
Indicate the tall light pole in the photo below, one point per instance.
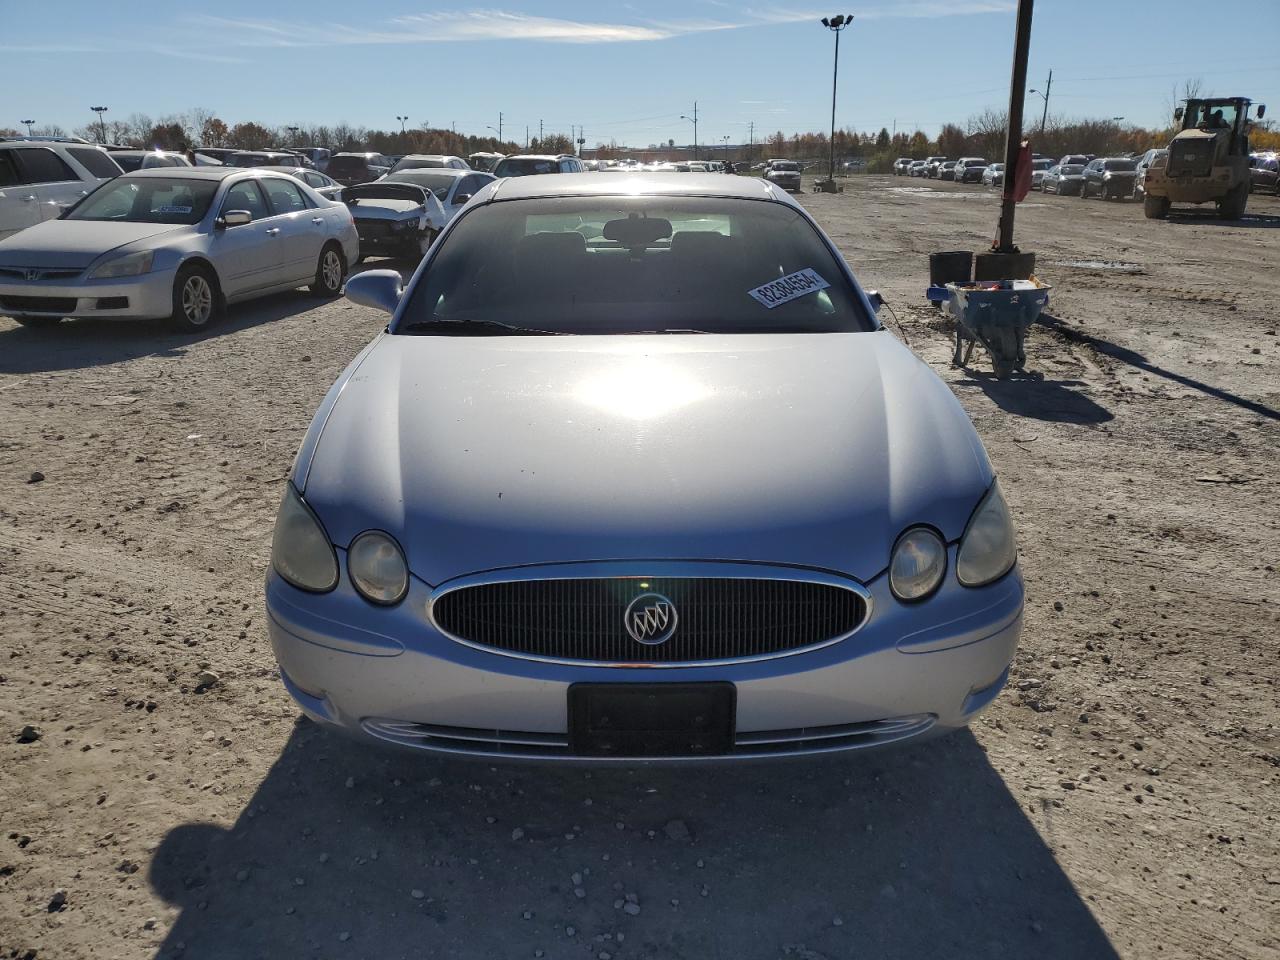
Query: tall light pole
402,120
1044,115
498,128
102,124
293,131
694,118
835,25
725,138
29,124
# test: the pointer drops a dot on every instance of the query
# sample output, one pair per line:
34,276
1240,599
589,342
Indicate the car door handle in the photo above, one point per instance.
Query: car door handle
273,231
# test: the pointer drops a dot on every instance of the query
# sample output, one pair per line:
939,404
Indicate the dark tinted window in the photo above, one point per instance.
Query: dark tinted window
248,160
285,196
677,263
128,163
42,165
416,163
314,179
96,162
523,167
148,200
348,167
1121,165
8,170
245,195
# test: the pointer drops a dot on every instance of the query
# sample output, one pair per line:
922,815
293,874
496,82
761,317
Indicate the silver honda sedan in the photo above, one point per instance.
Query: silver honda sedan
177,243
634,473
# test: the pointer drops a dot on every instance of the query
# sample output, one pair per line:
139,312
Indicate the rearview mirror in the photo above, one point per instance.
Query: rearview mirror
876,298
1177,113
379,289
235,218
1262,110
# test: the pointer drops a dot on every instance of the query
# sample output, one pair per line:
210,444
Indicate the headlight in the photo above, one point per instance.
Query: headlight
919,560
130,265
300,549
988,548
377,568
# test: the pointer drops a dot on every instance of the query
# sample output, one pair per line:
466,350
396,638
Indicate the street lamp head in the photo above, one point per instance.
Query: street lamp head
826,21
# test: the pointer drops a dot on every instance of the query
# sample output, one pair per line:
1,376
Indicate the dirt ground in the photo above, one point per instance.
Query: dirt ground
1119,800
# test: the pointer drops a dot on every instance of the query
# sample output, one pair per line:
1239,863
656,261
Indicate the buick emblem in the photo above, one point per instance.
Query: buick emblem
650,619
34,274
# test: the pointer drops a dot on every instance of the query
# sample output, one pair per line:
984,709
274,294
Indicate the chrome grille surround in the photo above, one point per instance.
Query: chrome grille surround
847,604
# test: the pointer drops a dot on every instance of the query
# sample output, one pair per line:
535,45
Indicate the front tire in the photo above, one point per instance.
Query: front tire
1231,207
196,299
331,271
1155,208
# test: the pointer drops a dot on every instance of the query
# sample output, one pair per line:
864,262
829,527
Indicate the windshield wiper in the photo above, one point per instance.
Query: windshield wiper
479,328
643,333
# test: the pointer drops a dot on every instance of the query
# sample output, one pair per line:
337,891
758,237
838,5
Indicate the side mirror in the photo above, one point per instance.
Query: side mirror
1177,113
379,289
876,298
234,218
1262,110
461,199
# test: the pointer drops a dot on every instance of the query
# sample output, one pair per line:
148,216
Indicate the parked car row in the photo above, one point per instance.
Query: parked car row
1264,172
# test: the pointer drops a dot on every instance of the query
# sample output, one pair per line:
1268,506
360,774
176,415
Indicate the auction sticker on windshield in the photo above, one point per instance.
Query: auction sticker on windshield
791,287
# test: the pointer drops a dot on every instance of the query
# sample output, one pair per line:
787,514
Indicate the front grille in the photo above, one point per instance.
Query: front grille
39,304
373,229
42,273
1191,158
584,619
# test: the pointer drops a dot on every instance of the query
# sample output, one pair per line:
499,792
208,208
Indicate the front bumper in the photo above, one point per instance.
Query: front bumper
146,297
786,183
388,674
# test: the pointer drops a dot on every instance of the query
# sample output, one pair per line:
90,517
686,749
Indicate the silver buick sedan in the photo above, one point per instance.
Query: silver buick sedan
634,473
178,244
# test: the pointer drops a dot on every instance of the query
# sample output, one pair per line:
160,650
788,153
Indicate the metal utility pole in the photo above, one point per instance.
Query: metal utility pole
1013,138
1044,116
102,124
751,140
694,118
835,25
29,124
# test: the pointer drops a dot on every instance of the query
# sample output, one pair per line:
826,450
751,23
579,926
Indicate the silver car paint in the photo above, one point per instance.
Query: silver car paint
345,661
816,450
250,260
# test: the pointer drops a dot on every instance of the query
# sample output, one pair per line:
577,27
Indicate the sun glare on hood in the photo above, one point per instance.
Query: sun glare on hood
641,388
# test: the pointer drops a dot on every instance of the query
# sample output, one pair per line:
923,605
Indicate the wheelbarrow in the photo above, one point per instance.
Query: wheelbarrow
995,313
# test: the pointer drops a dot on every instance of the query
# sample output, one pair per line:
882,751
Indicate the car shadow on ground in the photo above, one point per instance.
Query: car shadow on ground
350,851
1135,359
76,344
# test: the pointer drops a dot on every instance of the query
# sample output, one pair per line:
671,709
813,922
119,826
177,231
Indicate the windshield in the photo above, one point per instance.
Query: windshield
1120,165
788,167
1041,164
612,265
148,200
1209,116
975,163
128,163
1071,169
437,183
249,160
523,167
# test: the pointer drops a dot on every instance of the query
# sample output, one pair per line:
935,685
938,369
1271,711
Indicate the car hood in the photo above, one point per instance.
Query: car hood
74,243
479,453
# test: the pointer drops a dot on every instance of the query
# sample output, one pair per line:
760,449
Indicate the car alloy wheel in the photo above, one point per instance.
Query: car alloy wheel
197,300
331,270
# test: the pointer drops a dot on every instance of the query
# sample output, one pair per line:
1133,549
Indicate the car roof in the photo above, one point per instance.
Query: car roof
285,168
612,184
431,156
436,171
195,173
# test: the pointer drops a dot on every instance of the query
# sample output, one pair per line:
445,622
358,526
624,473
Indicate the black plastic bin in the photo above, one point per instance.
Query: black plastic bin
952,267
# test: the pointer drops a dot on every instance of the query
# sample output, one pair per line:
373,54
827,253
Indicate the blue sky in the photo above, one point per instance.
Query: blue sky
625,71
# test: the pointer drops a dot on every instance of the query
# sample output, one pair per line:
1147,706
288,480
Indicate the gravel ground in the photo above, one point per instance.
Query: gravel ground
1120,798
